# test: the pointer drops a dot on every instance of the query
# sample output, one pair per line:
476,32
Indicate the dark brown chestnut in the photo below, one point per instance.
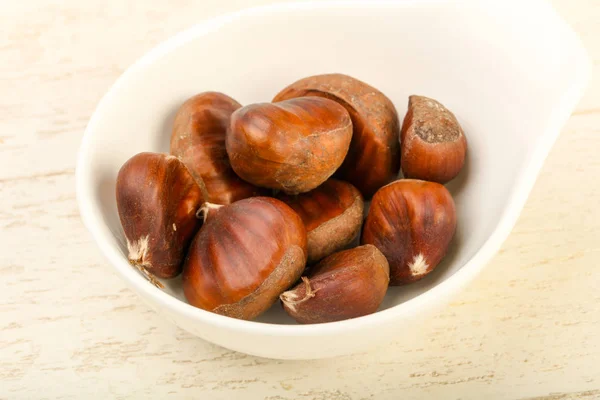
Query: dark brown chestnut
374,156
157,200
198,139
433,144
246,254
332,215
347,284
412,222
292,145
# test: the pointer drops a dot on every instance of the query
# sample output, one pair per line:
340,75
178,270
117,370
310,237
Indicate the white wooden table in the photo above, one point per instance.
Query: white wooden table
528,326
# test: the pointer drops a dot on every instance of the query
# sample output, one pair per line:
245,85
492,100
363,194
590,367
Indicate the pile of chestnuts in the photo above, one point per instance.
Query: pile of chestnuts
266,202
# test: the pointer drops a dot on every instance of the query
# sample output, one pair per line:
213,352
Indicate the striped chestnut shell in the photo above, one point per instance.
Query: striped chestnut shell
245,255
157,201
292,146
198,139
373,159
347,284
412,222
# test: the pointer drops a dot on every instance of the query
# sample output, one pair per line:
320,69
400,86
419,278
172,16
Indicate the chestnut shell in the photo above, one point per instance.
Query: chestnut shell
412,222
157,200
373,159
347,284
292,145
433,144
246,254
332,215
198,139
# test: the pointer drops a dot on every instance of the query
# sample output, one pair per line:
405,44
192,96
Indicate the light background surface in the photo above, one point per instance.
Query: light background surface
527,327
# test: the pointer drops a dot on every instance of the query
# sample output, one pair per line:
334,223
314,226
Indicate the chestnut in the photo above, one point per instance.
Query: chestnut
244,256
433,144
157,200
374,156
347,284
332,215
412,222
198,139
292,145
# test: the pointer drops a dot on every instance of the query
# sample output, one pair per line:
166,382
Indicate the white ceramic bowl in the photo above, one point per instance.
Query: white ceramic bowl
511,71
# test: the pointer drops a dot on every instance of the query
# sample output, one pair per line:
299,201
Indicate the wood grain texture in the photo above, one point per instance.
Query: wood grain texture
526,328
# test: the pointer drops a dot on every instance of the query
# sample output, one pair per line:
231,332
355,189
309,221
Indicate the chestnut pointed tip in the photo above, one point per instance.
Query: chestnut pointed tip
290,298
137,250
206,209
418,266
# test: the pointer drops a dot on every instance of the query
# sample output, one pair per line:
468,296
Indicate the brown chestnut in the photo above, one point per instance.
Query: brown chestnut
198,139
332,215
246,254
374,156
433,144
347,284
412,222
157,200
292,145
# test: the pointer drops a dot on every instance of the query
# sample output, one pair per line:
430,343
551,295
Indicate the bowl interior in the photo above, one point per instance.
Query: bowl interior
495,82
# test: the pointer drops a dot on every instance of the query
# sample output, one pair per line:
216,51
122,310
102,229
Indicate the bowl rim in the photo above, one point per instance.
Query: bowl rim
517,198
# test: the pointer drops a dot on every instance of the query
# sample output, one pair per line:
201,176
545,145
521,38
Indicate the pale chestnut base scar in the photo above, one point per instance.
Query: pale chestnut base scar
418,266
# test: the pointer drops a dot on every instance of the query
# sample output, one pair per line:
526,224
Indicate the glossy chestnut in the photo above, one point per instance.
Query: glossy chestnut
157,200
347,284
433,144
332,215
198,139
374,156
246,254
412,222
292,145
